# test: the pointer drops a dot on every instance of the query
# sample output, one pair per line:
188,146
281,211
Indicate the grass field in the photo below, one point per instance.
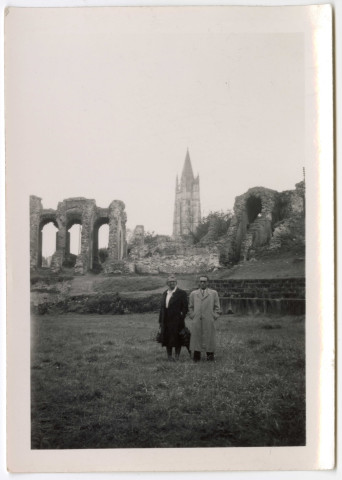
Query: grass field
91,283
102,382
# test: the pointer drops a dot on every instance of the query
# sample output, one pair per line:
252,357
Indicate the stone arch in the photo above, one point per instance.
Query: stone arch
82,211
96,265
253,208
251,225
45,219
75,218
72,219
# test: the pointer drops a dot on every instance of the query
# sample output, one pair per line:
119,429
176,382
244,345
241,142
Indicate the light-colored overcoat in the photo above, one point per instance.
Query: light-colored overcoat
203,310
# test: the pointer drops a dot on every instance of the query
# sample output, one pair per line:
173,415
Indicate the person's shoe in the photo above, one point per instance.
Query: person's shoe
197,356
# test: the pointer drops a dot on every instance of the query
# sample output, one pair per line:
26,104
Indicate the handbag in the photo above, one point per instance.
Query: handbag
159,336
185,335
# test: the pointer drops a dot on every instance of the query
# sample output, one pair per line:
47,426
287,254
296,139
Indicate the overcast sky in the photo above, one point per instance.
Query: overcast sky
109,108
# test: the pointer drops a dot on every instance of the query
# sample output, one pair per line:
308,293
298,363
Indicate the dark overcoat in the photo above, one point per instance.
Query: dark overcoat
171,319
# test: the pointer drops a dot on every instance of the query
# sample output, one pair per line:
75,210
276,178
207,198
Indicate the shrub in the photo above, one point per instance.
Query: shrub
49,279
70,260
150,238
103,254
217,222
43,309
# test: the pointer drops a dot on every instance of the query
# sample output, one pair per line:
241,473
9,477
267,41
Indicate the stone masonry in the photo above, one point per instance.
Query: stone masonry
81,211
167,255
263,217
138,235
261,296
187,211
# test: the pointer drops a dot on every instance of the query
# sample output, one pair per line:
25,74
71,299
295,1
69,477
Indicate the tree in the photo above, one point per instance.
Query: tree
216,223
103,254
150,237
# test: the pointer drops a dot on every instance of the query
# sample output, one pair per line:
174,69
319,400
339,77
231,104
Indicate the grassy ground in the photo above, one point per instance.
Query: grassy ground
91,283
278,265
102,382
99,284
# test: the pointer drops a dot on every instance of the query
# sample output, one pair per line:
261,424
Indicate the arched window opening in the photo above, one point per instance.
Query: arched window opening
103,240
48,244
253,207
100,243
75,239
73,244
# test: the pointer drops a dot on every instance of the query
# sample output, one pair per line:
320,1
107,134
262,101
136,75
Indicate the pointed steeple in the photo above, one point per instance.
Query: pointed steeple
187,212
187,173
177,183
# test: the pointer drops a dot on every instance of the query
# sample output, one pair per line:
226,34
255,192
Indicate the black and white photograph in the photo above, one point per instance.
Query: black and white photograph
166,187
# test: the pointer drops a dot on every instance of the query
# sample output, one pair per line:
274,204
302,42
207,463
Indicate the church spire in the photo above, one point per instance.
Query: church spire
187,212
187,173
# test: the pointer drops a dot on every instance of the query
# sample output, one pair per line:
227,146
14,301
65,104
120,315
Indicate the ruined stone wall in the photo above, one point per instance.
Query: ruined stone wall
117,236
81,211
201,262
138,235
35,214
290,227
262,296
262,219
173,256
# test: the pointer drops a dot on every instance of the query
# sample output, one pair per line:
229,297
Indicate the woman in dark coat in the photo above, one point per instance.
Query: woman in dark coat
173,310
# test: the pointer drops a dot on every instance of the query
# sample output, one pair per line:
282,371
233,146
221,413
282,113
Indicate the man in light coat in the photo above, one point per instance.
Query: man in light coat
204,309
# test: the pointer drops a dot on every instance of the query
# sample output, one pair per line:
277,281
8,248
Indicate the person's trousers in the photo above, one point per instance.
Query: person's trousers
197,356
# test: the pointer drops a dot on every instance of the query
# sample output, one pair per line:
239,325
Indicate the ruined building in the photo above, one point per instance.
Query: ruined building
265,218
138,235
84,212
187,212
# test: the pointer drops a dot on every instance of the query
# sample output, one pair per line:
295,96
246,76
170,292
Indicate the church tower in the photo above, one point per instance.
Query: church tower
187,213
